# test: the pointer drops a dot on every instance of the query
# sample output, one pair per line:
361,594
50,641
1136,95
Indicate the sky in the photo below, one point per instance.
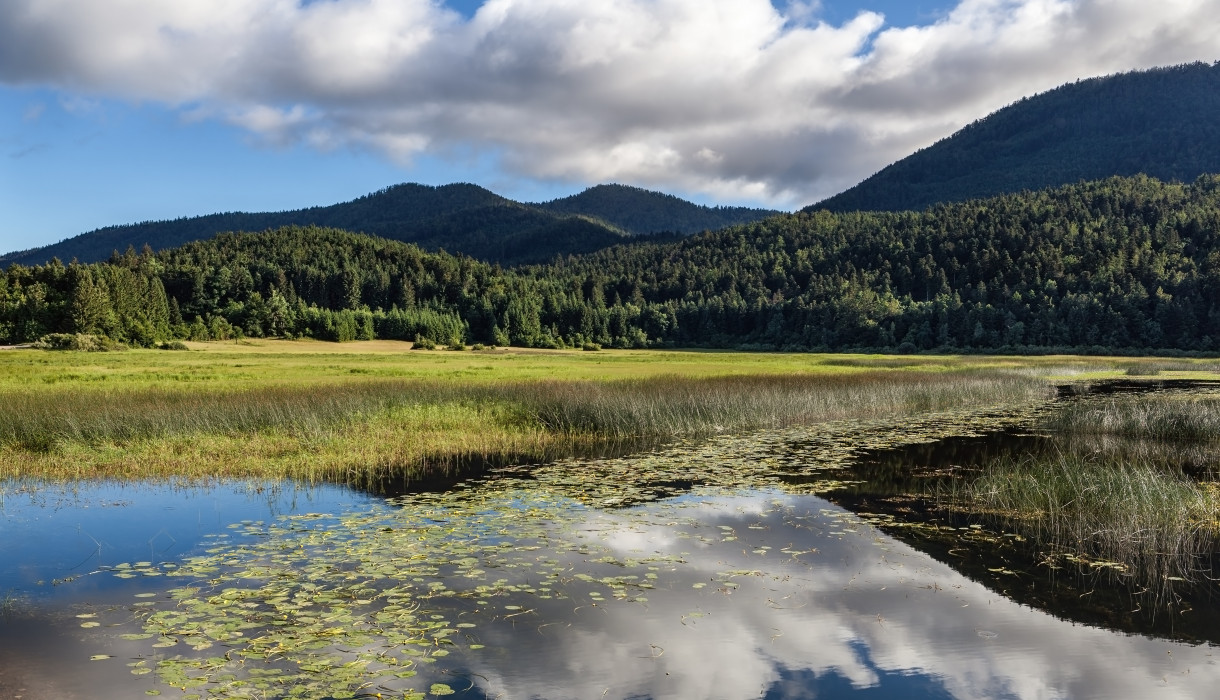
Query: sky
118,111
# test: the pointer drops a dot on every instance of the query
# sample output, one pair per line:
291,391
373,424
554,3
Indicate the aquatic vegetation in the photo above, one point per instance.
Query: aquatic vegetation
1152,368
315,605
1148,521
1162,416
677,406
10,604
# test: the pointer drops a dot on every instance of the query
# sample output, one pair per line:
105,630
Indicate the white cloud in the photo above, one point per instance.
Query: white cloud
857,605
731,98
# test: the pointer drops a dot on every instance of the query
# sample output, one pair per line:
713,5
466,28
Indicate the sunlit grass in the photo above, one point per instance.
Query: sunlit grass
1156,416
307,409
676,405
259,362
328,430
1141,518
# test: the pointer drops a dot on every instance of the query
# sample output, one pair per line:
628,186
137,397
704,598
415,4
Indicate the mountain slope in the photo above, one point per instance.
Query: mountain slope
460,218
1159,122
641,211
1123,264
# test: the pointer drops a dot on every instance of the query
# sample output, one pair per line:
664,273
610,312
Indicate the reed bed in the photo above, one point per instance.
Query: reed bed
363,426
1199,460
1134,517
1156,416
40,421
680,406
1152,368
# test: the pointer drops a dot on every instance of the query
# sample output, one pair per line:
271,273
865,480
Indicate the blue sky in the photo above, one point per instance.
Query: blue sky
720,101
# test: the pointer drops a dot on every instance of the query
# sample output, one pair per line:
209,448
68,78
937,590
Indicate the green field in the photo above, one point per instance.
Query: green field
316,410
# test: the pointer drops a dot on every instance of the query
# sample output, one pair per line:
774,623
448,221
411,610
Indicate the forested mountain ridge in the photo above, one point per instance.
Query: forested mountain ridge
1122,264
460,218
640,211
1118,263
1160,122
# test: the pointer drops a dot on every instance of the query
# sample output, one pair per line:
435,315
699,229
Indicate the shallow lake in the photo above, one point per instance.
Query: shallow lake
787,564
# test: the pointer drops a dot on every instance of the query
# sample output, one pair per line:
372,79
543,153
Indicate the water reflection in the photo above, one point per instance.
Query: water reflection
730,582
756,594
53,534
914,485
859,611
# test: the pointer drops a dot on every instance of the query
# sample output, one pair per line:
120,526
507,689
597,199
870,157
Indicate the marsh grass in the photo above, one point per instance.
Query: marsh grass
1198,460
681,406
1158,416
884,362
1152,368
365,426
42,421
1135,517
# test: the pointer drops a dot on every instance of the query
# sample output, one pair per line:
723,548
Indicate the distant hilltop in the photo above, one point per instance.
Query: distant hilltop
459,218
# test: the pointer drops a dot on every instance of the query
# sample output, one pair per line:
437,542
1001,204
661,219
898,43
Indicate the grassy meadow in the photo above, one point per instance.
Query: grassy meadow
315,410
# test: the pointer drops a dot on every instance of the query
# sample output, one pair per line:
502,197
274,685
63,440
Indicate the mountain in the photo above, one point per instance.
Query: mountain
459,218
1117,265
1160,122
639,211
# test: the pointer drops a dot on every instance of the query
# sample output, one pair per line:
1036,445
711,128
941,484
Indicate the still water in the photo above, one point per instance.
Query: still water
605,579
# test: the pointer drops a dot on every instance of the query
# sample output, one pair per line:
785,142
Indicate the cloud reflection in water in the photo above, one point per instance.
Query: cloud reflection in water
863,610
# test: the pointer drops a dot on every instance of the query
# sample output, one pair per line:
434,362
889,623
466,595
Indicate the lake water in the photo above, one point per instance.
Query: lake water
724,569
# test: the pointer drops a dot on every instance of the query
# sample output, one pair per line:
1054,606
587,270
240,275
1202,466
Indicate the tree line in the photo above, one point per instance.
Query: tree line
1124,264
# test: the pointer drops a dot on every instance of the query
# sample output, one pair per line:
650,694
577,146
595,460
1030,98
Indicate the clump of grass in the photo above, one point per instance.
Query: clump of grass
1137,517
1157,416
9,605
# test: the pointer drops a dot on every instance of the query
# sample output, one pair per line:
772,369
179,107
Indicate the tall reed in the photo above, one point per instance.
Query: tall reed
383,425
1152,521
40,421
670,405
1158,416
679,406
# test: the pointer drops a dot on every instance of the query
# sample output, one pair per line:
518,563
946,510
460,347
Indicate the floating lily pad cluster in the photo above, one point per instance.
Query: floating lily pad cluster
342,605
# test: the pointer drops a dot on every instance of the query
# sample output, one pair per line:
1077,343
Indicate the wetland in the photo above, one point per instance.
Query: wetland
701,526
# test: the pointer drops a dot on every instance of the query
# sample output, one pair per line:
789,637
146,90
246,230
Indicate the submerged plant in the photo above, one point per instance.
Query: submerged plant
9,605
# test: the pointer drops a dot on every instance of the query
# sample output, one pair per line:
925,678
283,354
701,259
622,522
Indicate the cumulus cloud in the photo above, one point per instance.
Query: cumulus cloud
732,98
857,605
